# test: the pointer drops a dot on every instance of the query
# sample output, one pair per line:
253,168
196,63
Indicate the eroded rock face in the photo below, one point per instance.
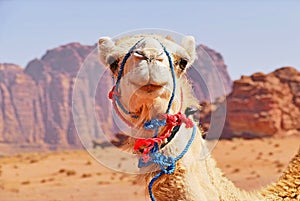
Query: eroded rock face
20,115
36,102
264,105
218,61
54,75
207,80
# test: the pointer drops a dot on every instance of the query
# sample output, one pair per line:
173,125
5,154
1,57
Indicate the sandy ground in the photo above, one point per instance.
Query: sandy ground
76,176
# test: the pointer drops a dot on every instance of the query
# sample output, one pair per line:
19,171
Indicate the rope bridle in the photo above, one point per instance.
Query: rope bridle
149,147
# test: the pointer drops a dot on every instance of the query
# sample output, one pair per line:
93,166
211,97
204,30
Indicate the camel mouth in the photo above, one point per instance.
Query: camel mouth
149,88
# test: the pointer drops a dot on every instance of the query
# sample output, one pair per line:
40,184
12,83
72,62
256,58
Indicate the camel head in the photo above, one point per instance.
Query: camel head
146,84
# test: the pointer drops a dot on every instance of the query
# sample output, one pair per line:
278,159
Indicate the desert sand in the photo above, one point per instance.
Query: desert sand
76,176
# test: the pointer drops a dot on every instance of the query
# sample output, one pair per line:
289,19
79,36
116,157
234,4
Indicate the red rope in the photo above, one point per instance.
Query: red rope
144,145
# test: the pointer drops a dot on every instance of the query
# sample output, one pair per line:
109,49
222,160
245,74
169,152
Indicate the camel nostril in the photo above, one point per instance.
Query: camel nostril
139,54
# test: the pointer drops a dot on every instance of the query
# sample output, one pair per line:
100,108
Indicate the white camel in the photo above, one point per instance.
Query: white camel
144,91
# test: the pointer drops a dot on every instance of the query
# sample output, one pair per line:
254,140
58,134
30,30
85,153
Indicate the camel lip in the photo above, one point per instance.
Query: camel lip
151,88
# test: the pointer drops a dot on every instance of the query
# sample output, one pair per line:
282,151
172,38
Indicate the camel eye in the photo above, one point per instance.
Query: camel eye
113,64
160,56
182,64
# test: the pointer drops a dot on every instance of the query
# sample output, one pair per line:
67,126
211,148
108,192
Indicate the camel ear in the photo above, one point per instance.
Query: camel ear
189,44
105,48
108,53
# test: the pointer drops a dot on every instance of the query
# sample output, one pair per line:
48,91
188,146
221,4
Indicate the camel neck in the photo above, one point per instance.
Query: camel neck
197,179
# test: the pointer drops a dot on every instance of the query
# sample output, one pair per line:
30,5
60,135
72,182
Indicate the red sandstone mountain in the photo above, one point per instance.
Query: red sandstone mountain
264,105
36,102
20,109
260,105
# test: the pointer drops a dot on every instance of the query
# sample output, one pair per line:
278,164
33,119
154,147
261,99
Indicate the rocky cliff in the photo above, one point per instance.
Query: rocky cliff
264,105
209,75
20,114
36,101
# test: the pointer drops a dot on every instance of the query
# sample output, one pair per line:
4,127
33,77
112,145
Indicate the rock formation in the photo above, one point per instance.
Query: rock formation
20,114
264,105
210,71
36,102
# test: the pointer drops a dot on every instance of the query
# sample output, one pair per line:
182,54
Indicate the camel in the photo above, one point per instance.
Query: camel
144,91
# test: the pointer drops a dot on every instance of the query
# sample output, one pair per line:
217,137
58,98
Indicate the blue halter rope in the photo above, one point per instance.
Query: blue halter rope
119,79
167,163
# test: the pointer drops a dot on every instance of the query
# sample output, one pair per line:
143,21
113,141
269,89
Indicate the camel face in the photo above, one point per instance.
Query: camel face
147,83
147,73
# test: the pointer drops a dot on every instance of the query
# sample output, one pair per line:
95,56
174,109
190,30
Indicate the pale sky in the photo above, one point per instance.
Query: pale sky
251,35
